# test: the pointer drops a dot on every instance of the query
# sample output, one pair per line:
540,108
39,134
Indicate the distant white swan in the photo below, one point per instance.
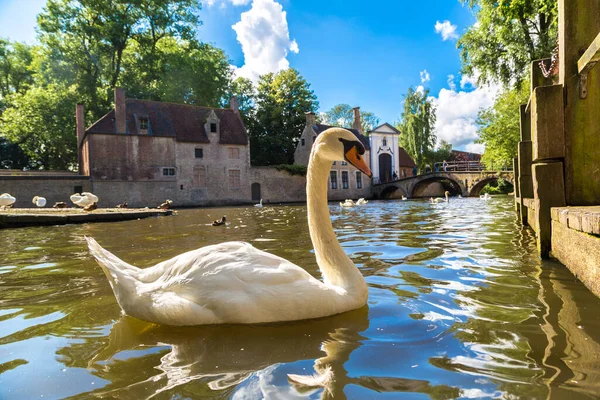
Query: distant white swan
234,282
6,200
347,203
404,197
39,201
361,202
485,196
441,200
84,199
259,204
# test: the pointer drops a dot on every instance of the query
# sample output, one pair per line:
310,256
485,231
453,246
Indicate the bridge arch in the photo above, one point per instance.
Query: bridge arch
392,192
450,183
478,186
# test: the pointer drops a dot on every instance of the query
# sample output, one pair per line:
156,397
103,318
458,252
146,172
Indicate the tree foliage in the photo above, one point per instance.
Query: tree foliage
282,99
499,126
508,35
417,126
342,115
440,154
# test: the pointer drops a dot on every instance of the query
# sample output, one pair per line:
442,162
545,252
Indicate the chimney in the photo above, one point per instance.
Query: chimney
80,124
310,119
120,111
356,124
234,104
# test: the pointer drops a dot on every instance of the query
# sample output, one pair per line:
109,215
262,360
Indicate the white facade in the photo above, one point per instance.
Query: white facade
385,158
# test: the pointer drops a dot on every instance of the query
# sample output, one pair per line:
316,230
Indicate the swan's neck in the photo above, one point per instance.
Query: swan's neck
335,265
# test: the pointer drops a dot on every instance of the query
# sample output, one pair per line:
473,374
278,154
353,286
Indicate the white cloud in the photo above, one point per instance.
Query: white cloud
451,83
420,89
211,3
446,29
456,113
265,39
425,76
468,80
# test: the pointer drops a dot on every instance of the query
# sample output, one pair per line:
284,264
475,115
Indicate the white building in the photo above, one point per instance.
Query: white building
389,161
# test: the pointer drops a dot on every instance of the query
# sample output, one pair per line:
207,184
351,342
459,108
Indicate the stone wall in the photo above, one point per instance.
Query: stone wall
53,187
278,186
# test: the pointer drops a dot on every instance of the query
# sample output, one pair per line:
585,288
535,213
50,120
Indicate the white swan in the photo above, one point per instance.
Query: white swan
441,200
84,199
361,202
39,201
259,204
485,196
6,200
234,282
348,203
404,197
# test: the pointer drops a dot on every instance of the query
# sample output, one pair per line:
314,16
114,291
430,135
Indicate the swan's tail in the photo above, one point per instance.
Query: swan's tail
121,276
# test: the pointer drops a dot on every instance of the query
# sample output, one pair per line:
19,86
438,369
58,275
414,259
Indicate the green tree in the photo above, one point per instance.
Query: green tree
417,125
508,35
499,127
441,153
16,74
282,100
342,115
41,121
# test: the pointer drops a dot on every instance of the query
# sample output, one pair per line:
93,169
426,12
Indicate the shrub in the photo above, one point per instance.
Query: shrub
292,169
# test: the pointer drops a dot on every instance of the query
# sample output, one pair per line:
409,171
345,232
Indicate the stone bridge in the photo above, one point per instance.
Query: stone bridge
465,183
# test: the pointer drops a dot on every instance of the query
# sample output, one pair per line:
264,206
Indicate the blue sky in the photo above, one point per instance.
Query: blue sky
349,51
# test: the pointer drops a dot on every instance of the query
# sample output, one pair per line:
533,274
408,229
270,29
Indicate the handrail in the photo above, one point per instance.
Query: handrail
590,57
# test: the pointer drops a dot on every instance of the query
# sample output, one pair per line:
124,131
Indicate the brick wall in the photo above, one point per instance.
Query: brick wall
54,188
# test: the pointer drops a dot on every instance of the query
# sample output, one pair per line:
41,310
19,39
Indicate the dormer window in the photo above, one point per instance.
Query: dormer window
143,123
213,127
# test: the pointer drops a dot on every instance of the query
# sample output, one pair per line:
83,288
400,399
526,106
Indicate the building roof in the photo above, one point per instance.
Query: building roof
405,159
319,128
181,121
376,130
458,155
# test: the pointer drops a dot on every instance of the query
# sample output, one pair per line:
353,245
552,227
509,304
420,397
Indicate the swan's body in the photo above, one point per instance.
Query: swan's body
361,202
6,200
348,203
84,199
440,199
259,204
234,282
404,198
39,201
460,196
485,196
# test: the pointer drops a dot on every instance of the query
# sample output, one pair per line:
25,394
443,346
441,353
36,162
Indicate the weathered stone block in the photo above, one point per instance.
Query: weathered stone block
580,252
526,186
516,172
548,191
525,160
547,123
525,123
574,220
590,222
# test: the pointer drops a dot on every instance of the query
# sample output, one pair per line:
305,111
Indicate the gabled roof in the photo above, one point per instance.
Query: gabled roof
319,128
405,159
181,121
386,125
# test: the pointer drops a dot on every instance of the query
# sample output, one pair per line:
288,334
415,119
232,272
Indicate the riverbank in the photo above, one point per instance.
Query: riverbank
22,217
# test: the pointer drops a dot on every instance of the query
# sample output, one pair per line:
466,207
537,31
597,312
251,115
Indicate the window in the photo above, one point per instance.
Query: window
199,177
333,178
168,171
234,178
233,153
345,180
384,142
344,163
78,189
213,127
143,123
302,141
358,180
199,153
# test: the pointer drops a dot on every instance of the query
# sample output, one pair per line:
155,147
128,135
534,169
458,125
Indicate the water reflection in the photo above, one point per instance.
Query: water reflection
459,307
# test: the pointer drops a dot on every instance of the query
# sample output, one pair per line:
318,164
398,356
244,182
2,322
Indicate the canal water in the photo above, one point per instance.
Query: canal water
459,306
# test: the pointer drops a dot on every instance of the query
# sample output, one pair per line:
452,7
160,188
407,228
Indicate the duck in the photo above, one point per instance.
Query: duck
39,201
347,203
440,199
6,200
91,207
84,199
60,204
361,202
218,222
259,204
166,205
236,283
485,196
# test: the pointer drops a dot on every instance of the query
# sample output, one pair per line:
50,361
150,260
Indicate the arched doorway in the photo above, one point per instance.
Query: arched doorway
435,187
256,191
385,167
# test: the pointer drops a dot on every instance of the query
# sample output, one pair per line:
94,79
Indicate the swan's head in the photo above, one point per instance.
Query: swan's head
336,144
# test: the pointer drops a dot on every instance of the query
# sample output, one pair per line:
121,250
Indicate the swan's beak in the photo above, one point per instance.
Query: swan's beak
358,161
